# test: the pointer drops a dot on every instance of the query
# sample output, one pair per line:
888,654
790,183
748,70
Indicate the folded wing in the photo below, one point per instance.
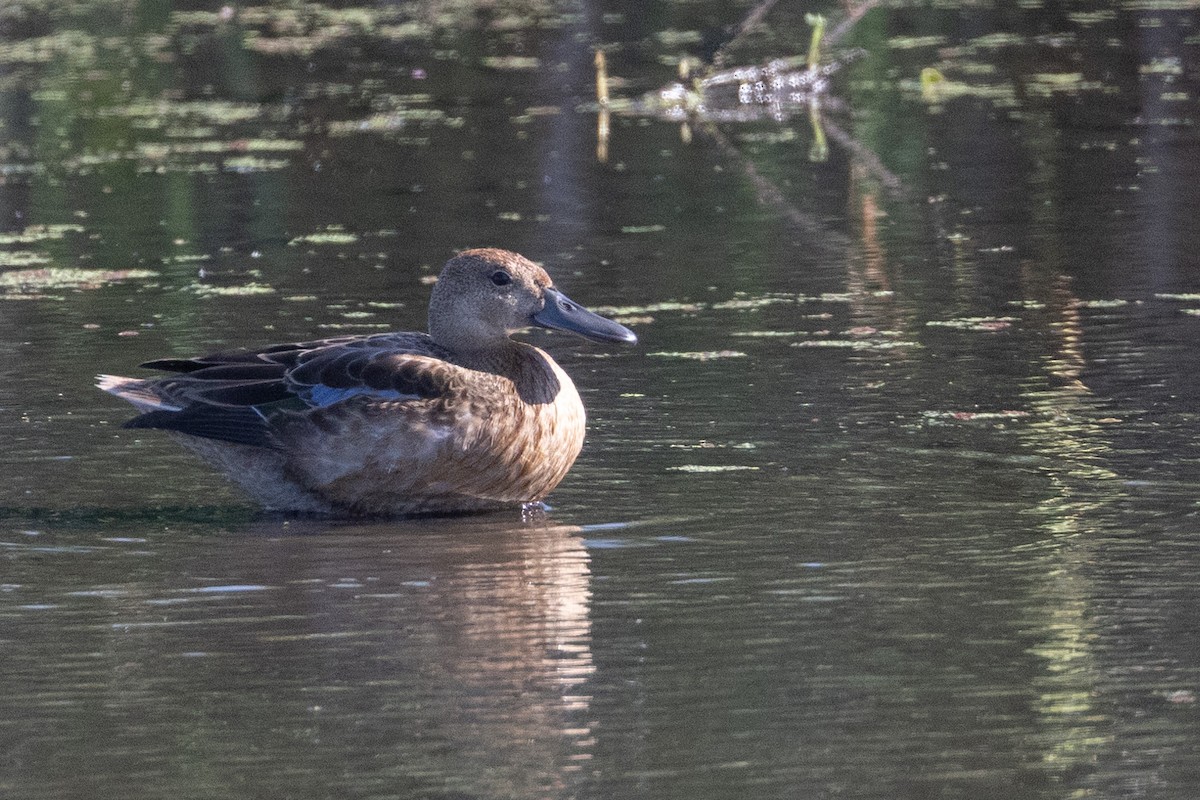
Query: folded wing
242,396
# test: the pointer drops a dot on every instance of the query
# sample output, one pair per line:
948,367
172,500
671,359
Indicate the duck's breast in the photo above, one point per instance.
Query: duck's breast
520,435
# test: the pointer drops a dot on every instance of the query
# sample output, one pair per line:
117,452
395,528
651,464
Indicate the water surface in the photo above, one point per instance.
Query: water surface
896,497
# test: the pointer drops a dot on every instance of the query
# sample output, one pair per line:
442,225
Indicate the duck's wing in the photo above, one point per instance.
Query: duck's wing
383,369
237,396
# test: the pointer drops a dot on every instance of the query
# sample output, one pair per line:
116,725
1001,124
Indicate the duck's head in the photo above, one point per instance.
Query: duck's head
482,296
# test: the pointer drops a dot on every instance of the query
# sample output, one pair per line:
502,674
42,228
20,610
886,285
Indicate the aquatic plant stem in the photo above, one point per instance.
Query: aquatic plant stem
817,21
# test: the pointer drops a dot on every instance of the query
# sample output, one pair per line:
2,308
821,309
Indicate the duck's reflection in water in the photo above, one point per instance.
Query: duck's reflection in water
399,657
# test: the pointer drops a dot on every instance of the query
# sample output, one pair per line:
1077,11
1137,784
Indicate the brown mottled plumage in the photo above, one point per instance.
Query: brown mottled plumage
461,419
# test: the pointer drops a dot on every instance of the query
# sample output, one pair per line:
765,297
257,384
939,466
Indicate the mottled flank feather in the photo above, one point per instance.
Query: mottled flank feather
460,419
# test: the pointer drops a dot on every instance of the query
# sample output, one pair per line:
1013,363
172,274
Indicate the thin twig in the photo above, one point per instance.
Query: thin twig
843,27
817,234
866,158
759,11
752,19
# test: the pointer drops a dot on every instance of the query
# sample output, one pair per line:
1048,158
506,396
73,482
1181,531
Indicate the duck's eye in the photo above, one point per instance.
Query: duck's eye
501,278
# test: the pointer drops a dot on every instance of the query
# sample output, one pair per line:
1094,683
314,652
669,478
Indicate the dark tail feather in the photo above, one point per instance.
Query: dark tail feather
223,423
174,364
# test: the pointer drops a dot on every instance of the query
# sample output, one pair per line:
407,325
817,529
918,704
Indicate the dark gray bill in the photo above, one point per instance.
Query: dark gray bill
564,314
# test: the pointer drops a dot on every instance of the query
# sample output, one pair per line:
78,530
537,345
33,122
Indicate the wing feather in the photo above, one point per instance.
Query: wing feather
237,425
235,395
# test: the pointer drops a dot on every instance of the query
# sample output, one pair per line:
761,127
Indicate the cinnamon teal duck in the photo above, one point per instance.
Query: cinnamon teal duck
463,418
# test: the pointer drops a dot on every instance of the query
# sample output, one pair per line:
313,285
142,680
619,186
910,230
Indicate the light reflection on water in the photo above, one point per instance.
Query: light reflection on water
454,656
896,499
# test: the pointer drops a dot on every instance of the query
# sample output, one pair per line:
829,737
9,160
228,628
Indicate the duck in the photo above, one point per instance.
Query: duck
463,418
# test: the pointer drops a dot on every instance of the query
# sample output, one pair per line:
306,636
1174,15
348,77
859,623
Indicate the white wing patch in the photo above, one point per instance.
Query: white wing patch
321,395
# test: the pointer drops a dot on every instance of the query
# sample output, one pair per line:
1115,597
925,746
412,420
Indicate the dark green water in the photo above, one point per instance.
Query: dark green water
897,497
